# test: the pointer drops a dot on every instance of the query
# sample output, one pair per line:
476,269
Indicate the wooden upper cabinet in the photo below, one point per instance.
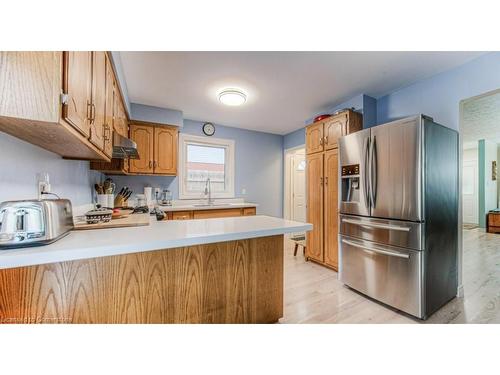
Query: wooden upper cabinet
109,110
120,118
98,104
331,226
143,135
314,138
165,150
324,135
61,101
78,87
334,129
30,85
354,122
314,183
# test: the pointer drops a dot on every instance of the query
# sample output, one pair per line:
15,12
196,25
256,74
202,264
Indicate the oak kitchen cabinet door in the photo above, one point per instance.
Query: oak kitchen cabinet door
78,87
97,110
314,138
144,137
109,110
120,118
334,129
331,207
165,150
314,178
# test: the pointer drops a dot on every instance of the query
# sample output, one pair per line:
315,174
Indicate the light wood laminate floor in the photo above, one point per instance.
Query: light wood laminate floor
314,295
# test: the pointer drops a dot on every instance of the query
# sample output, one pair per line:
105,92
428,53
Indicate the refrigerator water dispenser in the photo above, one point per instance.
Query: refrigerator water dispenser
350,183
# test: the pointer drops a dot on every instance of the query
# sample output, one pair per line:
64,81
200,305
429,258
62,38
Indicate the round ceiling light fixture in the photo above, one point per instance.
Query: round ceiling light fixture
232,97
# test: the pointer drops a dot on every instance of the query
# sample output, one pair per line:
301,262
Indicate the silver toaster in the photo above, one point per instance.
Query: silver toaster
34,222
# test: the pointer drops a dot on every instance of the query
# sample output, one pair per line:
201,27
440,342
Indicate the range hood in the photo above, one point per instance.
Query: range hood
124,148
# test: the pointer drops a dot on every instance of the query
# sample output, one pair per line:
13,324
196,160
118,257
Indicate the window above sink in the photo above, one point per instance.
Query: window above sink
202,158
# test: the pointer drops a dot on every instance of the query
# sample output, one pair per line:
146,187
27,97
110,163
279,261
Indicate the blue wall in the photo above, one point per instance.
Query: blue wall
369,111
294,139
439,96
258,167
159,115
21,161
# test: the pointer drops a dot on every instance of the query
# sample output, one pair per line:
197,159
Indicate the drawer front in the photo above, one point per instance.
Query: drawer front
248,211
390,232
182,215
386,273
207,214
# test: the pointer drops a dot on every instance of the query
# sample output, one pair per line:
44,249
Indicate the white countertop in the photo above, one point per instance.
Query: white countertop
158,235
197,207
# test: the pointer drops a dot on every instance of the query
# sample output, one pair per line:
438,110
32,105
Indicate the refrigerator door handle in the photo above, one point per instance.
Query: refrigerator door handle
366,162
376,250
376,225
372,171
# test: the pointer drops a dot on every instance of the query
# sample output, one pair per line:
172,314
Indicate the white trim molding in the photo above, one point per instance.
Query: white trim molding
227,144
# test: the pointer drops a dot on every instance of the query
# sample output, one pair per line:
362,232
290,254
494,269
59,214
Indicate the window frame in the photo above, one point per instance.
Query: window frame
228,144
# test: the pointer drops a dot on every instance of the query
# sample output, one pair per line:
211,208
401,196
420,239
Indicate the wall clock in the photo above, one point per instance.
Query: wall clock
208,128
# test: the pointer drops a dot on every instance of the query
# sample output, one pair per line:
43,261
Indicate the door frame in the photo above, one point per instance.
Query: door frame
287,179
476,187
460,292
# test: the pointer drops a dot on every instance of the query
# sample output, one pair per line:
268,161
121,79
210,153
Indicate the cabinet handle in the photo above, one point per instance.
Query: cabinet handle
326,180
154,164
93,112
150,164
106,132
321,180
321,141
326,140
89,111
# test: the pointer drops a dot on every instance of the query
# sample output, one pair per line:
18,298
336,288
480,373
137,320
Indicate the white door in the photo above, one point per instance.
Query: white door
298,188
469,192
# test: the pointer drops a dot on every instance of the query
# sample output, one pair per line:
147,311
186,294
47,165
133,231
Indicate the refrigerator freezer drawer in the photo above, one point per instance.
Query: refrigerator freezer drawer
388,274
390,232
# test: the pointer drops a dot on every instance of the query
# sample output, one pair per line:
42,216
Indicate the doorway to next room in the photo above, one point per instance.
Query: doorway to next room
295,184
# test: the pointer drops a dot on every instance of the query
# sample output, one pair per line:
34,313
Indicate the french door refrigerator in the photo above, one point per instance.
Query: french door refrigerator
398,197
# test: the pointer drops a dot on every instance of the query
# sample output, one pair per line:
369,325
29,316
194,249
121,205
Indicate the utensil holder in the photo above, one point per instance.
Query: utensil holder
111,201
106,200
102,200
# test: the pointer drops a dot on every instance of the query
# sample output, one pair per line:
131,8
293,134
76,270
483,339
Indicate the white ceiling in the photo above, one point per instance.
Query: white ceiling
284,88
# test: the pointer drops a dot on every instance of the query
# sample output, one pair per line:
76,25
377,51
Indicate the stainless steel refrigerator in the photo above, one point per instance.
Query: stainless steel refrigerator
399,214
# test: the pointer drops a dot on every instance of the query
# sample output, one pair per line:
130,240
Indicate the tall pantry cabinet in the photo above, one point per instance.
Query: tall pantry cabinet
322,184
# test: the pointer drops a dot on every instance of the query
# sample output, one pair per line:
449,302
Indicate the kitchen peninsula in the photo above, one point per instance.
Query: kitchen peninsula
222,270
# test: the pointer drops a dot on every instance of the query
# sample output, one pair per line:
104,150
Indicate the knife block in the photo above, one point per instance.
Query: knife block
120,202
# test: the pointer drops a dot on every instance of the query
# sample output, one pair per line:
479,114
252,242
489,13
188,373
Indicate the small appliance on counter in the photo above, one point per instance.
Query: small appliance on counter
34,222
165,198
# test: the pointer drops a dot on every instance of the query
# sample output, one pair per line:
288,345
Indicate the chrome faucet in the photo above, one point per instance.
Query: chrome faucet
208,191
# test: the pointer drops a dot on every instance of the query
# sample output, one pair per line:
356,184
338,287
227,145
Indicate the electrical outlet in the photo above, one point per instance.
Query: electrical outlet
243,191
43,184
